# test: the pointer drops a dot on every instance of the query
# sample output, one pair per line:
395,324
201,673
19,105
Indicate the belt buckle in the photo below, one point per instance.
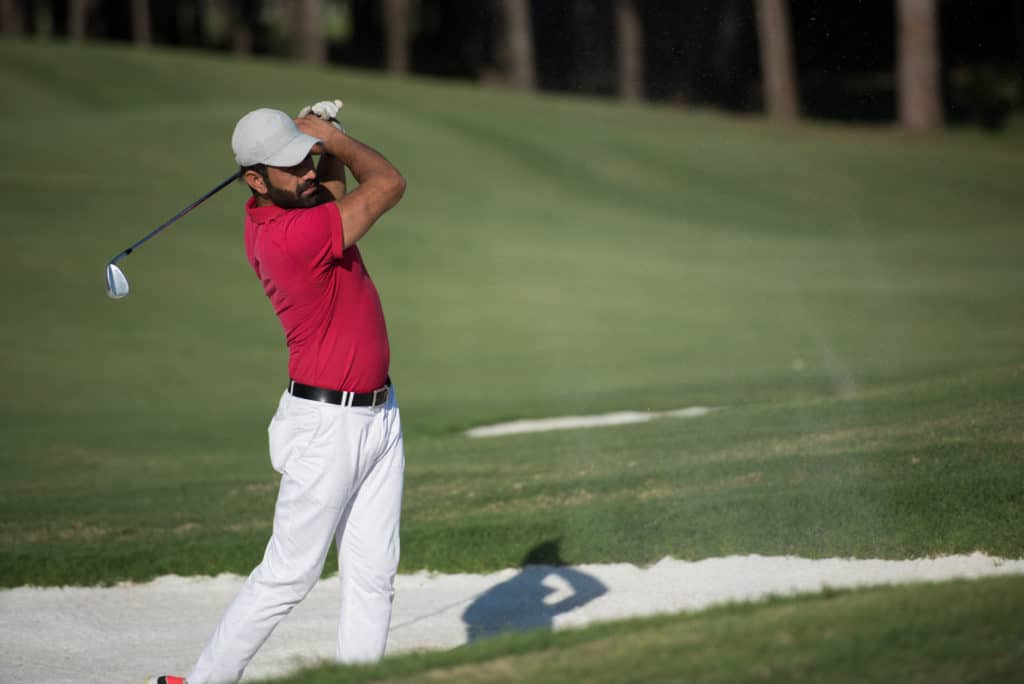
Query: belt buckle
382,390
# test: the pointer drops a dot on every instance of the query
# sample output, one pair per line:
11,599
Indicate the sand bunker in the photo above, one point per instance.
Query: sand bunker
122,633
517,427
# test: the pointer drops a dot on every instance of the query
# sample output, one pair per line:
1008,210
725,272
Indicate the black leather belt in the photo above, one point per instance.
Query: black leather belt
375,398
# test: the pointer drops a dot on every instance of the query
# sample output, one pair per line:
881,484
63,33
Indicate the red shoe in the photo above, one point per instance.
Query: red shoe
166,679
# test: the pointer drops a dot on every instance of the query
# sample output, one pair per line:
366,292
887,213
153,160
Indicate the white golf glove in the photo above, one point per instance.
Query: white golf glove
326,110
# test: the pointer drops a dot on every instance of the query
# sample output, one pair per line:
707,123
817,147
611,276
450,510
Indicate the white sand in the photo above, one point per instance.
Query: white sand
517,427
122,633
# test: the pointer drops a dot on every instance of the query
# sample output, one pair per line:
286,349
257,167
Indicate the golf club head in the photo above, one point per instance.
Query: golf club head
117,284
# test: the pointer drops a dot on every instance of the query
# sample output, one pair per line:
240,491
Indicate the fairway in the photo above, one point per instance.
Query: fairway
846,300
851,295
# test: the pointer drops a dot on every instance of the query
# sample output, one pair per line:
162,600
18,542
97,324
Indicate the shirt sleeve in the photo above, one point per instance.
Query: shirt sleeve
314,236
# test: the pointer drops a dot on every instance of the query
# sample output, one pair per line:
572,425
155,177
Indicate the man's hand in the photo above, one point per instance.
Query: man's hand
320,129
326,110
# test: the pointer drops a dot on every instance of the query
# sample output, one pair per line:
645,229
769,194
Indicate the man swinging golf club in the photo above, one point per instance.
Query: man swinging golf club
336,437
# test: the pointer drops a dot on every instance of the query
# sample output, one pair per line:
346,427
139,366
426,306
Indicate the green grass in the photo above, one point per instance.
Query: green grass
952,632
850,297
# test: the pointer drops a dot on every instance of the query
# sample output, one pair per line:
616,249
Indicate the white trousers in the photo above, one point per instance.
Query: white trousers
341,481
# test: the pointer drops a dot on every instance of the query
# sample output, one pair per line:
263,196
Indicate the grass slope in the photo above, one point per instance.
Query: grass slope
952,632
851,297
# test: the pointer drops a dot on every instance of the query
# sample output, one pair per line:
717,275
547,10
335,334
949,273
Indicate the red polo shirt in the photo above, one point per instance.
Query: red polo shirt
327,304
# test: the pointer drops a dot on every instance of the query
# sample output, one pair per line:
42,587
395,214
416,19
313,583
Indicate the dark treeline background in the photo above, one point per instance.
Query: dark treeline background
924,63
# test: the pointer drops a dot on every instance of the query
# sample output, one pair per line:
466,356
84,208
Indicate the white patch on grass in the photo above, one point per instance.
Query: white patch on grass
125,632
518,427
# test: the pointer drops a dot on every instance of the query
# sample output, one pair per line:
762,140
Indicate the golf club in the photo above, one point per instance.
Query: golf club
117,283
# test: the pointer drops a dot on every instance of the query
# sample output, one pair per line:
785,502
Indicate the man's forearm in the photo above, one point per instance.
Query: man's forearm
361,159
330,172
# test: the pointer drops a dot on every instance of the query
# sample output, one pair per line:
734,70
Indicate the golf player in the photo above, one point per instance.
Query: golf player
336,437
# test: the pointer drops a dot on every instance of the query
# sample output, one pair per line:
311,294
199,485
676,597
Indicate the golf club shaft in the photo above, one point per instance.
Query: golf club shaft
224,183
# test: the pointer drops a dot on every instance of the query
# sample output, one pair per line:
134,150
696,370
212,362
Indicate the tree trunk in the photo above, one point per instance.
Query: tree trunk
245,15
919,102
517,44
217,21
397,15
196,33
778,74
141,23
12,17
78,19
729,89
309,41
630,38
1018,22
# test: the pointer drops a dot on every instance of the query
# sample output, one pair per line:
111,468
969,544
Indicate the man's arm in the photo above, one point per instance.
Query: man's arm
380,184
330,171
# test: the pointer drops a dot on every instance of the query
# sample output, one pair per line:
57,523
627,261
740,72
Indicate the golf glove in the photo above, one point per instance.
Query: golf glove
326,110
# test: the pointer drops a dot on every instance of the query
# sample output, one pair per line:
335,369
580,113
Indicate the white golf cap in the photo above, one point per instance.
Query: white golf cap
269,136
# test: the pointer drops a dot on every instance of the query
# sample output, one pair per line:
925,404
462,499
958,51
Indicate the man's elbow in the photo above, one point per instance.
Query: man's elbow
397,183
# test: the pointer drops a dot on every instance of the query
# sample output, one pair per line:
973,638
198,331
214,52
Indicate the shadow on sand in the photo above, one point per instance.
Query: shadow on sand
543,589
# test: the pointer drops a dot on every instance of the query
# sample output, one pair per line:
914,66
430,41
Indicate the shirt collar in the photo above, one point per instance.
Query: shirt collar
263,214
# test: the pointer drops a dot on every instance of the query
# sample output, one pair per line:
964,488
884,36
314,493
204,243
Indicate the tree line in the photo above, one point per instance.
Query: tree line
920,62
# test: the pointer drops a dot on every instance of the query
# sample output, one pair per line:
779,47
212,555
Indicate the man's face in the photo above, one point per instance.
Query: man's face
293,187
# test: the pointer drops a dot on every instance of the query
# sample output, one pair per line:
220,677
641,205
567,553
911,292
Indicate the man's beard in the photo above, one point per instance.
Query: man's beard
295,200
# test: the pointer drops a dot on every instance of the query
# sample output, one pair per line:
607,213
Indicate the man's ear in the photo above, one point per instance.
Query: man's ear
255,181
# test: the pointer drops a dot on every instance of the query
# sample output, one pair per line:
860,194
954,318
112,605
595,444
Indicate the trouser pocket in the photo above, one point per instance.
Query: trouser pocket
291,430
